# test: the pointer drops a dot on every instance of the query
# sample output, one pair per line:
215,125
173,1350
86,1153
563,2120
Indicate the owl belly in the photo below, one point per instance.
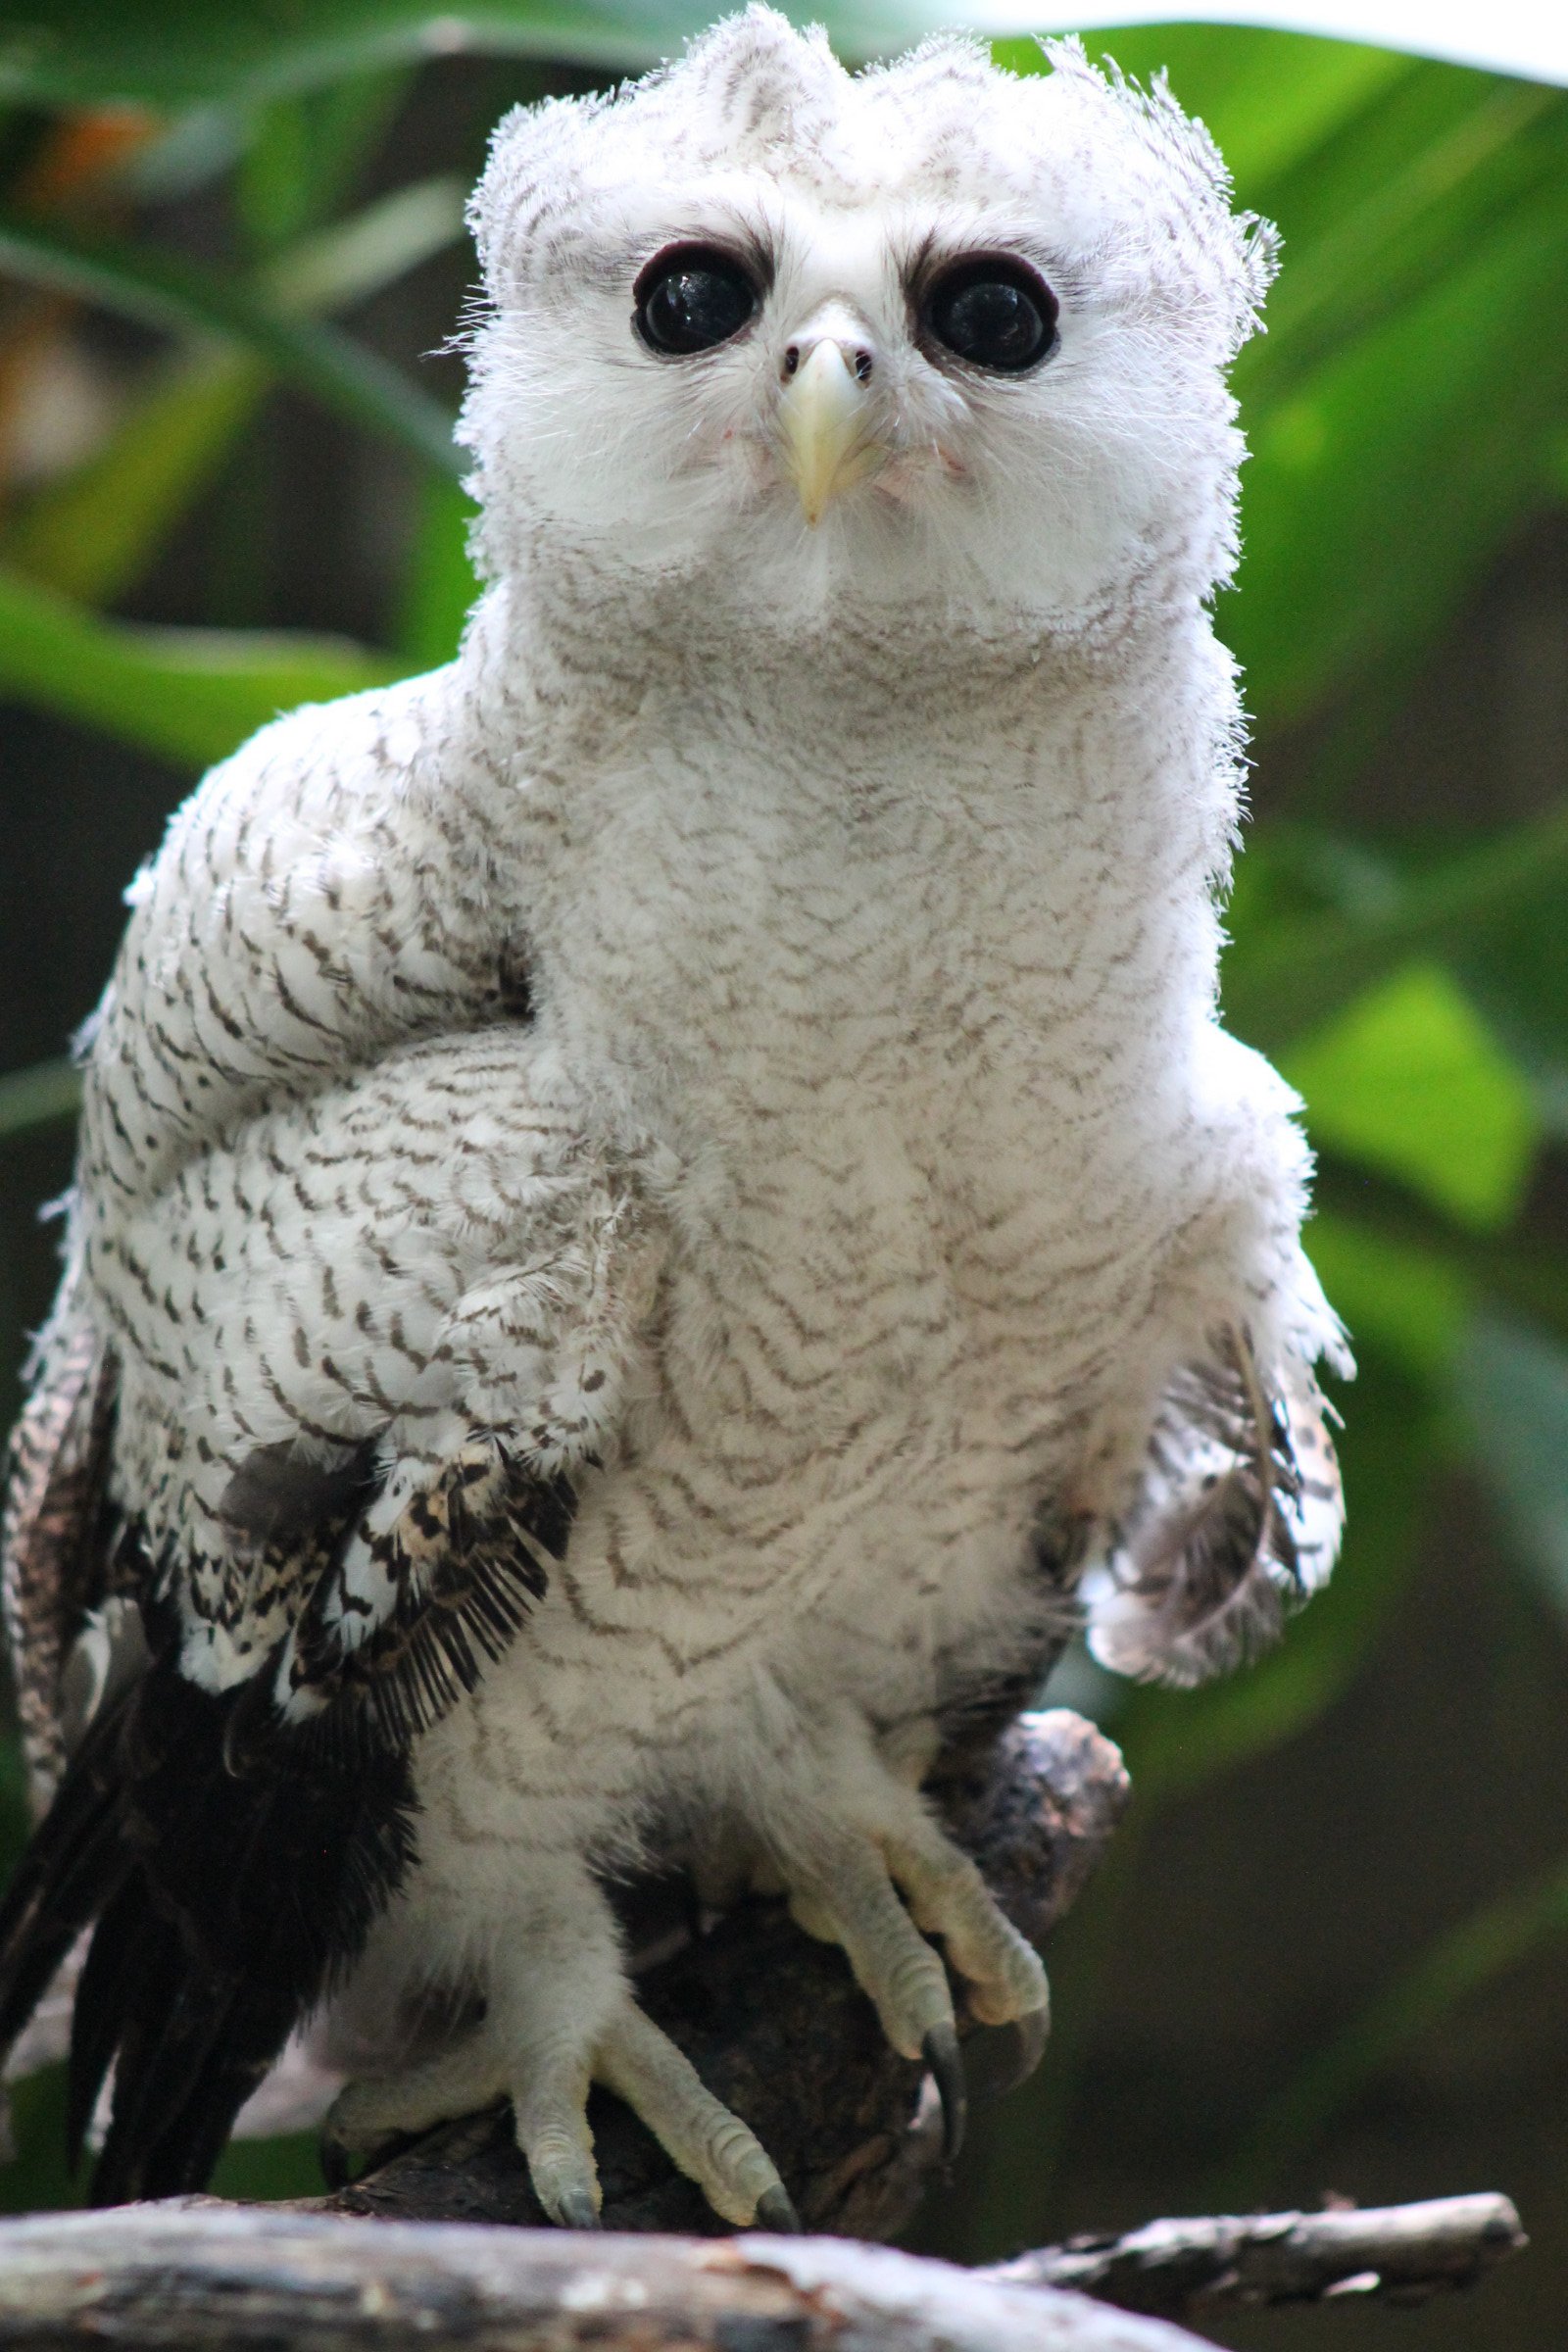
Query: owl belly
882,1354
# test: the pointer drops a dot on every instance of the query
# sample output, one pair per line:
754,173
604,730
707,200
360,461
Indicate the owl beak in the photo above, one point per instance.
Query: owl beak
825,419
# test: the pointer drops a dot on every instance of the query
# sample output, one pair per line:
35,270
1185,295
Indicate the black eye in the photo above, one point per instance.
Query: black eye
692,297
993,311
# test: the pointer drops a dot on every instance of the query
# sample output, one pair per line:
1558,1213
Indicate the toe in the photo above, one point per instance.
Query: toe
710,2144
550,2110
948,1897
848,1898
368,2115
575,2210
775,2213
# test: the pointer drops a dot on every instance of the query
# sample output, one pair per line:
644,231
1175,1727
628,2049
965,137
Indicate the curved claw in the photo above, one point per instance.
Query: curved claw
575,2210
333,2156
942,2054
1033,2032
775,2213
1029,2036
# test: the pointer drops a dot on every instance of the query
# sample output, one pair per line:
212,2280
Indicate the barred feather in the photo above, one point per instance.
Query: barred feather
1237,1521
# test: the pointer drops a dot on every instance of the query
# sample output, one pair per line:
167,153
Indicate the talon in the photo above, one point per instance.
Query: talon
336,2151
333,2155
1001,2057
776,2214
942,2056
575,2210
1033,2033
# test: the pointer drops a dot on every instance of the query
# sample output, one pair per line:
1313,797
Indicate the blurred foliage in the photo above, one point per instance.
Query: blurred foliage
1408,419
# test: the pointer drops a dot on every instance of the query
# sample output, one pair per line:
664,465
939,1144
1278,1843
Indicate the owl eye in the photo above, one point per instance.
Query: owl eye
690,297
994,312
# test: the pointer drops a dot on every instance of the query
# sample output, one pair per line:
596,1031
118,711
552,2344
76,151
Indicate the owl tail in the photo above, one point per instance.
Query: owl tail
225,1907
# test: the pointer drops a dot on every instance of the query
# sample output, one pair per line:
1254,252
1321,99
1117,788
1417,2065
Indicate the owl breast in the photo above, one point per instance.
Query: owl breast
927,1191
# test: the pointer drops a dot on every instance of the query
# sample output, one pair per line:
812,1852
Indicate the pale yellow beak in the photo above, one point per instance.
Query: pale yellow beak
825,419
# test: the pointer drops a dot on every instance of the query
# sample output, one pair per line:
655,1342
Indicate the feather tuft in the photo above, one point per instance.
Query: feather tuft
1238,1521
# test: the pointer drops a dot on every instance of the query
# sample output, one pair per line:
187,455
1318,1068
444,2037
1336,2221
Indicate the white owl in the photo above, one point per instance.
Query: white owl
649,1201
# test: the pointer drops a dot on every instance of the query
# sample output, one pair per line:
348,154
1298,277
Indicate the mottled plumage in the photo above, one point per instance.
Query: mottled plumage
650,1201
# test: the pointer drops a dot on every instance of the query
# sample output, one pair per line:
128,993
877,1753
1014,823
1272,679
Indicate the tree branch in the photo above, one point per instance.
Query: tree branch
198,2273
235,2279
1404,2253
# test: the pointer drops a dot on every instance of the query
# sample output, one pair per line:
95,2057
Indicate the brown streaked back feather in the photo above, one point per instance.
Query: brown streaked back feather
53,1550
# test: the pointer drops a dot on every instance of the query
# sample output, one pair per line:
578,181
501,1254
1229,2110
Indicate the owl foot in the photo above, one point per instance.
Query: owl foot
548,2087
848,1894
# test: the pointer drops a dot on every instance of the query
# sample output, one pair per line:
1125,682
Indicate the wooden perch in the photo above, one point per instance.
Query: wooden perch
778,2029
1404,2253
196,2274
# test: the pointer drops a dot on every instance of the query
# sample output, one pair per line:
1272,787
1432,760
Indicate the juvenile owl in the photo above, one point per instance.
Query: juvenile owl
652,1203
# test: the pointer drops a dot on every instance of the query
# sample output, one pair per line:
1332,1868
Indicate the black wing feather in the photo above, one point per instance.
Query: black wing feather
72,1866
243,1901
233,1860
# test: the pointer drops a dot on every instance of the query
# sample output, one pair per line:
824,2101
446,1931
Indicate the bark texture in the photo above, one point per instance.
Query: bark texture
197,2274
1400,2253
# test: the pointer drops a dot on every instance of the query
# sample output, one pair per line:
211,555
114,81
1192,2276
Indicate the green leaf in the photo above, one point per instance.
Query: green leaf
1411,1080
1374,216
1270,98
63,52
1525,1274
93,534
274,190
60,51
1392,471
163,290
1515,970
259,2172
1513,1391
191,695
304,151
1282,977
340,264
1414,1301
42,1096
441,587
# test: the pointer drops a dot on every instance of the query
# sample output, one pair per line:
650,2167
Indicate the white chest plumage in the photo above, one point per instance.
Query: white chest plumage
918,1040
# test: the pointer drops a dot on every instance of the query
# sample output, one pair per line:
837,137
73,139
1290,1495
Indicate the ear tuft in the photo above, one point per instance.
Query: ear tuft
764,82
1182,149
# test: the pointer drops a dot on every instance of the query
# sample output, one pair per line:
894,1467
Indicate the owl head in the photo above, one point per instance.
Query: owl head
933,336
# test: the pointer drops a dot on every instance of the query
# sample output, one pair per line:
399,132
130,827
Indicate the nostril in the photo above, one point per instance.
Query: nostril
862,365
792,360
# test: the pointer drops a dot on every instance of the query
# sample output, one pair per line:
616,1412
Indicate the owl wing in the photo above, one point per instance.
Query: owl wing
51,1530
1237,1519
230,1842
257,1626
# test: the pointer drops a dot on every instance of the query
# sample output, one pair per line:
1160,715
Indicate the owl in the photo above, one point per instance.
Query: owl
661,1209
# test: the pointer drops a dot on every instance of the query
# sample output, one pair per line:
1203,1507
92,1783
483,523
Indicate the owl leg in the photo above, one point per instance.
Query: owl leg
559,2017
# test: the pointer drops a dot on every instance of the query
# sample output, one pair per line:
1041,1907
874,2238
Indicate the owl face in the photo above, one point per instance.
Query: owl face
934,337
